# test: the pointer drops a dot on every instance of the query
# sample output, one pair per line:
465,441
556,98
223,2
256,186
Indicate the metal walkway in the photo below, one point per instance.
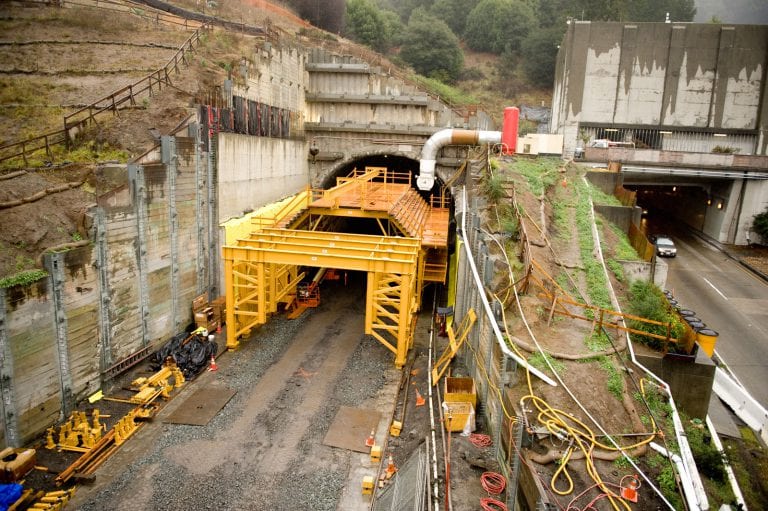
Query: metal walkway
264,255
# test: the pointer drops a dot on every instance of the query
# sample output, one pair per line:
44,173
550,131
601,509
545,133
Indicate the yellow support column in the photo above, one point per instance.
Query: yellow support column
261,293
369,302
403,320
229,292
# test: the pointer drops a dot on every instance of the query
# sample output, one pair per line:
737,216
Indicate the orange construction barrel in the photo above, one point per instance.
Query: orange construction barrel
707,338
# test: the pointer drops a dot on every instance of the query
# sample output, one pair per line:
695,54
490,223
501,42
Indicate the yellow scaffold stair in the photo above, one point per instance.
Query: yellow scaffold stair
455,340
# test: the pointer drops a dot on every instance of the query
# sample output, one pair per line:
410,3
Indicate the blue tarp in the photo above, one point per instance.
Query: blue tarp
9,493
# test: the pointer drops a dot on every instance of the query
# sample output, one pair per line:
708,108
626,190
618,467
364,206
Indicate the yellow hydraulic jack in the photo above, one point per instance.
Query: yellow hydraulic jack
76,434
53,500
126,427
158,383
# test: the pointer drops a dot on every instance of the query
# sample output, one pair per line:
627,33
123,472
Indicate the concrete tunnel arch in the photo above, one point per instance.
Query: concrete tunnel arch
396,162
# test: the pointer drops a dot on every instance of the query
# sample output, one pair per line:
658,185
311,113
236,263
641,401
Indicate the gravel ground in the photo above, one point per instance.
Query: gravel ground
264,448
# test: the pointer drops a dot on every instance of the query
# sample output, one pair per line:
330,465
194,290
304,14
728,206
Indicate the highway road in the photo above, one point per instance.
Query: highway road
731,301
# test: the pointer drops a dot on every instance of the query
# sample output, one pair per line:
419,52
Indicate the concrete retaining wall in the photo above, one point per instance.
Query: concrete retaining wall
662,74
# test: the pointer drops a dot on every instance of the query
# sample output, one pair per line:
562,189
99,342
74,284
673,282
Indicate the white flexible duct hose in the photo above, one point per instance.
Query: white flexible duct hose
428,159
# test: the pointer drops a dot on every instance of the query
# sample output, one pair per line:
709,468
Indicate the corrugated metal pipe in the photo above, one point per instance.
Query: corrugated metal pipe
442,138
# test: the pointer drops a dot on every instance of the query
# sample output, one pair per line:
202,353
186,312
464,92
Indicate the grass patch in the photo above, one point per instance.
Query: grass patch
615,380
616,268
539,361
22,278
540,173
647,301
623,250
446,92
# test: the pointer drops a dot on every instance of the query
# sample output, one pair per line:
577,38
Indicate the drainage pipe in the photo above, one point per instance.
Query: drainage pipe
450,136
688,491
728,469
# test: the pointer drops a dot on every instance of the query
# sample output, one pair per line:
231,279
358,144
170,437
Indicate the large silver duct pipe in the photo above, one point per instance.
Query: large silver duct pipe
426,177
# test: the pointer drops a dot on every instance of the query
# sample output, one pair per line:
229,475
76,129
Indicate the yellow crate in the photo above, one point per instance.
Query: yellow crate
460,390
457,415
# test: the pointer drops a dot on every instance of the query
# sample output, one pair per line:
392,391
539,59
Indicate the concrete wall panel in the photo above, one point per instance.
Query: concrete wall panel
81,303
254,171
35,388
376,113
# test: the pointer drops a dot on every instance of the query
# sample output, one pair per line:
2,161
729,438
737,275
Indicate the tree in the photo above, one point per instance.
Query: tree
539,54
499,25
760,225
550,13
453,13
598,10
656,10
364,24
325,14
431,47
393,27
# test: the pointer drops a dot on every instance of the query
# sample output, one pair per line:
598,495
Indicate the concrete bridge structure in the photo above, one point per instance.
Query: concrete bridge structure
679,105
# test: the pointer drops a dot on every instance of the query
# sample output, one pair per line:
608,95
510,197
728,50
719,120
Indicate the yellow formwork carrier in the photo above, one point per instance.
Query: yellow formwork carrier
263,255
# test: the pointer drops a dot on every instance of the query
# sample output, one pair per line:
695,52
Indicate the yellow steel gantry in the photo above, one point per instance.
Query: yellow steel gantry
261,266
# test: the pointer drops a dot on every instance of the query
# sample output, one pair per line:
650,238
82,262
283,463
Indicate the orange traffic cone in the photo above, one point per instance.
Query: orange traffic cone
391,468
213,366
218,328
630,492
370,440
419,399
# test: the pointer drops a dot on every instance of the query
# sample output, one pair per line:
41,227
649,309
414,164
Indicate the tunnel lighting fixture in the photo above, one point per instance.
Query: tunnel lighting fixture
719,135
611,129
709,202
674,188
719,204
665,132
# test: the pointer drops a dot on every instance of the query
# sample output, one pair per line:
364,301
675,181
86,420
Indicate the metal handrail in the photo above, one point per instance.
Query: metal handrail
111,102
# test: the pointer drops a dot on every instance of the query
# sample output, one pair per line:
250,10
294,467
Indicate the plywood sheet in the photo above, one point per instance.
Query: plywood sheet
351,428
201,406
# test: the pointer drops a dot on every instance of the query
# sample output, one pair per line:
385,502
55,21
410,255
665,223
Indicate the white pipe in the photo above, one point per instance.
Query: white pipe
688,491
428,159
432,406
487,306
728,469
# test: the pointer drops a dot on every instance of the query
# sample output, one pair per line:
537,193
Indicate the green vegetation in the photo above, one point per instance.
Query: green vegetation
87,152
760,224
615,379
493,187
596,281
446,92
539,361
597,341
623,249
647,301
540,173
22,278
499,25
431,48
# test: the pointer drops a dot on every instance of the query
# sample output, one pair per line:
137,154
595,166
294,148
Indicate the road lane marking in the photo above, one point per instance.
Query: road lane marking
713,287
